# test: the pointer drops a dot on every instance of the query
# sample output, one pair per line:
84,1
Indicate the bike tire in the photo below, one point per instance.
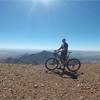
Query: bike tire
54,64
71,63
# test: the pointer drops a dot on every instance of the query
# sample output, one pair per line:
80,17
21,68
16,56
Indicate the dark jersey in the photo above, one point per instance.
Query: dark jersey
64,51
64,46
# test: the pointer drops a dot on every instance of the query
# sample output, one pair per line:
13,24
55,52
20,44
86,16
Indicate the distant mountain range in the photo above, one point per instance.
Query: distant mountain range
4,53
40,57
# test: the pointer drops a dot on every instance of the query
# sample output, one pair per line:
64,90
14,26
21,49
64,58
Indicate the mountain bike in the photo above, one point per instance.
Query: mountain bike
72,64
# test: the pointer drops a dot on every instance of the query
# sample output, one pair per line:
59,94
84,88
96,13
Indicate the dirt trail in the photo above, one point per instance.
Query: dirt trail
27,82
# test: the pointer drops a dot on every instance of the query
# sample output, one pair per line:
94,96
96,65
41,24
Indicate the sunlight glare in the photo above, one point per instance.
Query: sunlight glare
44,2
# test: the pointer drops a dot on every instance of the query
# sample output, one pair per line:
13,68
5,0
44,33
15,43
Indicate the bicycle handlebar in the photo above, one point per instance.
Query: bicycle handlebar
59,51
69,52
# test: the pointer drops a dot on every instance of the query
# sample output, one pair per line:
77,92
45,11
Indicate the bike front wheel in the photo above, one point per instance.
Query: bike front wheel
73,65
51,64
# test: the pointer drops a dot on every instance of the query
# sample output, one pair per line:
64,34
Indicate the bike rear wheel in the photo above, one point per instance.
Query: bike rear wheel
73,65
51,64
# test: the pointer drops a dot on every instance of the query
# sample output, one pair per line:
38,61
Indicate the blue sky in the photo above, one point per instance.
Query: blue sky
40,24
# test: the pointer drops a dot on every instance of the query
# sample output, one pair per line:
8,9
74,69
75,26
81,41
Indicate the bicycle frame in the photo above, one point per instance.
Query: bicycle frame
68,56
58,56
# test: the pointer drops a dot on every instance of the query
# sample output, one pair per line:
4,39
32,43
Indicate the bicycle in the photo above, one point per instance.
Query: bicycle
72,64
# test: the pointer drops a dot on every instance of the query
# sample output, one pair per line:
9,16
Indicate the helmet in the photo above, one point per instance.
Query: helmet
64,40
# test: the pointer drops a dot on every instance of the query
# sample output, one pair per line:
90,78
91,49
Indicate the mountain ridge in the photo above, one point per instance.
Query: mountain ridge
41,57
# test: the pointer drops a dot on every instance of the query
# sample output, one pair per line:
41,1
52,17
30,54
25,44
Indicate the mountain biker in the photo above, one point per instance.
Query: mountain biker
63,49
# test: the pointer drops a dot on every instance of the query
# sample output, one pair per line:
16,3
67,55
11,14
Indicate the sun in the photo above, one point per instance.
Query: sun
48,4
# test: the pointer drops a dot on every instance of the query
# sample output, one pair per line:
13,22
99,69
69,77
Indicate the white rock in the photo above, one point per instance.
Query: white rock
35,86
81,97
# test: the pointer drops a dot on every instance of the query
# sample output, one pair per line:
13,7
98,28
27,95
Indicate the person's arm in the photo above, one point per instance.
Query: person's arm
60,49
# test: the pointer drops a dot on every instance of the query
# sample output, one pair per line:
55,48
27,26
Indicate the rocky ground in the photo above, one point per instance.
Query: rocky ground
27,82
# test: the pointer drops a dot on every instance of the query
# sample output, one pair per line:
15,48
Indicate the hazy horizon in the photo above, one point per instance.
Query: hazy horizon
19,49
13,55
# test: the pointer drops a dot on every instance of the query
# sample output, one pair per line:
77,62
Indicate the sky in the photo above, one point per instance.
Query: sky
41,24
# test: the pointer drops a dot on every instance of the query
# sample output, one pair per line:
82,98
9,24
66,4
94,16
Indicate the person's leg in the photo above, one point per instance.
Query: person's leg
64,55
63,58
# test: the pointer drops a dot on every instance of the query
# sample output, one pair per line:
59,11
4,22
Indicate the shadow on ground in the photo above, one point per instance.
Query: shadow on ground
61,73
